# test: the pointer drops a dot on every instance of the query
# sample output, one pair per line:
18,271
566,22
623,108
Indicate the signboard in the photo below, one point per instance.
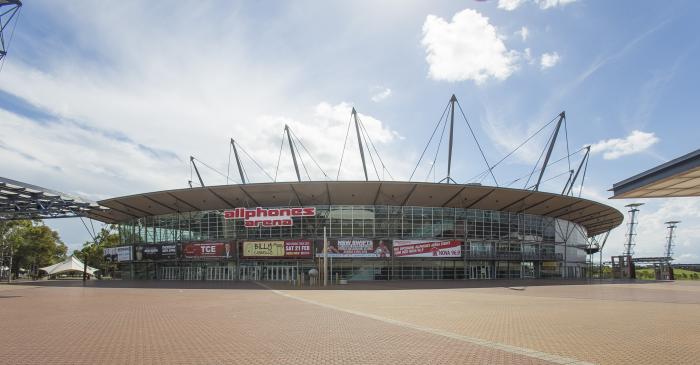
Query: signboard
273,217
117,254
287,249
208,250
155,252
356,248
427,248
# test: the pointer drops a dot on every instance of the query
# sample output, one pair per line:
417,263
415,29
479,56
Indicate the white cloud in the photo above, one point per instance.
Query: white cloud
510,5
524,33
380,94
549,60
546,4
614,148
527,55
467,48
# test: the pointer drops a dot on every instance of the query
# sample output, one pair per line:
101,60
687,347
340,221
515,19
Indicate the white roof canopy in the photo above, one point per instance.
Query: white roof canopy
70,264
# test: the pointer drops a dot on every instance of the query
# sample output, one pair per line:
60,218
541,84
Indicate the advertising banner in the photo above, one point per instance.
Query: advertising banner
204,250
280,249
155,252
357,248
427,248
117,254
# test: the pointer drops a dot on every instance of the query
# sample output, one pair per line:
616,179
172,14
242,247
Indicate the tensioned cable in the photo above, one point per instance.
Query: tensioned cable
364,137
437,152
583,178
12,34
228,166
309,153
254,161
301,159
516,148
534,168
278,158
430,140
477,142
537,170
211,168
362,126
342,154
551,178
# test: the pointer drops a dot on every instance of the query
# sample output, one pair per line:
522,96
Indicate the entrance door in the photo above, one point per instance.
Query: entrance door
480,272
250,273
170,273
221,273
280,273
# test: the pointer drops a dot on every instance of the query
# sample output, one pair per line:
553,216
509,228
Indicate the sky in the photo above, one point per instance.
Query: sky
102,99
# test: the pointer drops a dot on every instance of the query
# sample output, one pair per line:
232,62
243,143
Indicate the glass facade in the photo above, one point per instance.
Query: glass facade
493,244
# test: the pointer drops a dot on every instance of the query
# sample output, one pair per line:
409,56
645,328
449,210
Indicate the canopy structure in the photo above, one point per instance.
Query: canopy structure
595,217
676,178
19,200
70,264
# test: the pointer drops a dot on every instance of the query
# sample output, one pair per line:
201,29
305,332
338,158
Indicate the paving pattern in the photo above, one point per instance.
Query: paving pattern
373,323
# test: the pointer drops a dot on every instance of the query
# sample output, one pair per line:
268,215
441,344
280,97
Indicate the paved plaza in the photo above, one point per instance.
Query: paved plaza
492,322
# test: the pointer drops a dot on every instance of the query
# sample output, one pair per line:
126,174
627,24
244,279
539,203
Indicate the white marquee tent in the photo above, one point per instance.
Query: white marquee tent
70,264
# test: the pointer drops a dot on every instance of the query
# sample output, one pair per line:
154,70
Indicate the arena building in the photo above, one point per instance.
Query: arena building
377,230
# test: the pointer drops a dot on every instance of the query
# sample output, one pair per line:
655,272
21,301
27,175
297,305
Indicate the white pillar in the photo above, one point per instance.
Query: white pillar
325,258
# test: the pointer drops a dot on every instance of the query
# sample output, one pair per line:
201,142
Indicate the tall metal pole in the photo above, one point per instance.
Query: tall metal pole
238,160
201,182
571,173
583,160
294,156
549,151
325,257
669,245
359,142
453,99
629,251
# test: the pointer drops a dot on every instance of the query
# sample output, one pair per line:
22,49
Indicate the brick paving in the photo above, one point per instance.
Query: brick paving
234,323
124,322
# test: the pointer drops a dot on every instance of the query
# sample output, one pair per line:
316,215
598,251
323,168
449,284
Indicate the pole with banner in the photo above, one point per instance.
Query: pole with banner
325,258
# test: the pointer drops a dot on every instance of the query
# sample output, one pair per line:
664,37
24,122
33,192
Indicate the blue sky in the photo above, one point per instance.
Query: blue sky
106,99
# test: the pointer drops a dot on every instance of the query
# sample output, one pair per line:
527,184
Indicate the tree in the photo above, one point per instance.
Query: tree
31,245
92,253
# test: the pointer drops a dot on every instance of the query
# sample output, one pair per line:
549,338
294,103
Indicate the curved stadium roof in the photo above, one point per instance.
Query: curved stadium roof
595,217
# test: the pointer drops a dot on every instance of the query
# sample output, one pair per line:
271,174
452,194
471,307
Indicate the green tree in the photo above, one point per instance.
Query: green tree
31,244
92,253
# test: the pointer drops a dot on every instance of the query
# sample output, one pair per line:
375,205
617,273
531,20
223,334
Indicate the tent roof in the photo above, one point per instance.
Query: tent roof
69,264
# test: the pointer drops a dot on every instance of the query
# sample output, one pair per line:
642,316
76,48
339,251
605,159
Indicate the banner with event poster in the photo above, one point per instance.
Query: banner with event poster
208,250
356,248
278,249
156,252
117,254
427,248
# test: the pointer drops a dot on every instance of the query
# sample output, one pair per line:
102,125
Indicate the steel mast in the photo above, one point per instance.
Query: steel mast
359,142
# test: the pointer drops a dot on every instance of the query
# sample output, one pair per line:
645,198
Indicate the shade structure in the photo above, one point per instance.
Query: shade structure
68,265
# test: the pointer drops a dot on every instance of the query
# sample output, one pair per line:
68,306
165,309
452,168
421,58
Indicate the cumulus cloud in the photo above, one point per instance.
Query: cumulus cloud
523,32
380,93
510,5
615,148
549,60
546,4
466,48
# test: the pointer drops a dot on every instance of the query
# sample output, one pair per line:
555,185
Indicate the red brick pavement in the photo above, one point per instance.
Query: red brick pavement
201,324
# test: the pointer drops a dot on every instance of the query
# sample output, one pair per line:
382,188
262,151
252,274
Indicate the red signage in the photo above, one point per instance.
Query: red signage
273,217
208,250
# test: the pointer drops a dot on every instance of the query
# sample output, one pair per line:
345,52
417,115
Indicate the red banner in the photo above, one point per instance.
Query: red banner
208,250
